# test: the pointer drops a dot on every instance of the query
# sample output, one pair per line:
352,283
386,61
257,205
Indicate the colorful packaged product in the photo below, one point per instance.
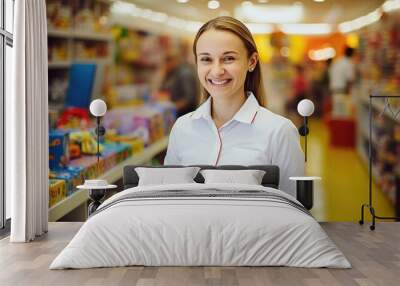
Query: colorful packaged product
87,141
110,160
57,191
91,169
122,151
151,120
75,150
66,176
136,143
73,177
58,149
123,120
78,172
168,111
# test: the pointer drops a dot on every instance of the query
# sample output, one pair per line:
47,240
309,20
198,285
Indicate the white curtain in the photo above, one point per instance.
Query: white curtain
27,124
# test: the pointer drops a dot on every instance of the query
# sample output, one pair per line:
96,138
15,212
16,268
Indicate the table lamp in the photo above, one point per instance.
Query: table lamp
97,188
305,185
305,108
98,108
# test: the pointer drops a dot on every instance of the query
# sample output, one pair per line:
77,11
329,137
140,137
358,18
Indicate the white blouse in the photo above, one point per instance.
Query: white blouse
254,136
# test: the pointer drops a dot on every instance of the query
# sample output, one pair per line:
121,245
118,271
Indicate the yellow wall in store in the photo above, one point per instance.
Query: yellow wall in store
297,48
264,47
352,40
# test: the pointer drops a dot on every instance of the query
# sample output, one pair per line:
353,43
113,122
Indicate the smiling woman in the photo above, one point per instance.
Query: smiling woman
232,125
234,52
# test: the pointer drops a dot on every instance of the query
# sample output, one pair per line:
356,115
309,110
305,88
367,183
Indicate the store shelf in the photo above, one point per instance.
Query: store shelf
82,35
56,106
81,196
59,33
364,158
76,50
99,61
140,63
67,64
365,134
378,76
375,175
380,107
59,64
91,36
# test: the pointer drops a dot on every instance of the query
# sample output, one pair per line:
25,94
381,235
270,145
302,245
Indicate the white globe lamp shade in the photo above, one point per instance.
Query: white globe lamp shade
98,108
305,107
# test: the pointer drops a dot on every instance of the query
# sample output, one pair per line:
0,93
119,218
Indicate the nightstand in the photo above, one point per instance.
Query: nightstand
305,190
97,190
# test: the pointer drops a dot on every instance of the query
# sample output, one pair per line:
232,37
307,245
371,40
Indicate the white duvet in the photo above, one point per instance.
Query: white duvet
200,231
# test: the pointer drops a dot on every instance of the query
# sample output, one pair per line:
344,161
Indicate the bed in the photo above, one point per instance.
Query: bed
201,224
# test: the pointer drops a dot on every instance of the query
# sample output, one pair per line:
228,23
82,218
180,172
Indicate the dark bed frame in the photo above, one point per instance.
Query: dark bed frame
270,179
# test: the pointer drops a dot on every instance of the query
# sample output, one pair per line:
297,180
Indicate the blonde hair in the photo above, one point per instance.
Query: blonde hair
253,81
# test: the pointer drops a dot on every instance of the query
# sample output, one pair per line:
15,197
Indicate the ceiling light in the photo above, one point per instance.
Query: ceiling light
306,29
213,4
256,28
322,54
159,17
263,1
224,13
320,1
182,1
176,22
247,3
270,13
123,8
391,5
360,22
193,26
120,7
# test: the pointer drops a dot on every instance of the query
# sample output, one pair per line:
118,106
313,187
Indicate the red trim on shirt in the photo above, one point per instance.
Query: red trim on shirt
254,117
220,147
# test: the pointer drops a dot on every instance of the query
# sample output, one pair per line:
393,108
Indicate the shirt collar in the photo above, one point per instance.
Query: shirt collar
248,110
246,113
203,110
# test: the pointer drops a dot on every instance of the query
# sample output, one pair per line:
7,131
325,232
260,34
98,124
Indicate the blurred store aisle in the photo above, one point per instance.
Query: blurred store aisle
344,185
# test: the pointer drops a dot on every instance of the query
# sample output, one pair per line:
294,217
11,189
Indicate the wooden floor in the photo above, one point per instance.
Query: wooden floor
374,255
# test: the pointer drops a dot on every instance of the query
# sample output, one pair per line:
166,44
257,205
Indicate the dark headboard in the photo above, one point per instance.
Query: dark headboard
270,179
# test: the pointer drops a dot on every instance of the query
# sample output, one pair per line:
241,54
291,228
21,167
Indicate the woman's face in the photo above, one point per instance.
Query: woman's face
222,63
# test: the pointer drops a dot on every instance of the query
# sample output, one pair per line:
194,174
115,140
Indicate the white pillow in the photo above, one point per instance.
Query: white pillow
165,176
248,177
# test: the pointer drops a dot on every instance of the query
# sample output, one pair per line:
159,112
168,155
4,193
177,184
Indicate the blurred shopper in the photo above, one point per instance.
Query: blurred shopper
180,81
325,85
319,85
232,125
325,81
342,73
299,87
277,78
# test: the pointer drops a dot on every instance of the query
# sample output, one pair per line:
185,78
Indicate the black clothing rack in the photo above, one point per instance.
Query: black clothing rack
370,205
